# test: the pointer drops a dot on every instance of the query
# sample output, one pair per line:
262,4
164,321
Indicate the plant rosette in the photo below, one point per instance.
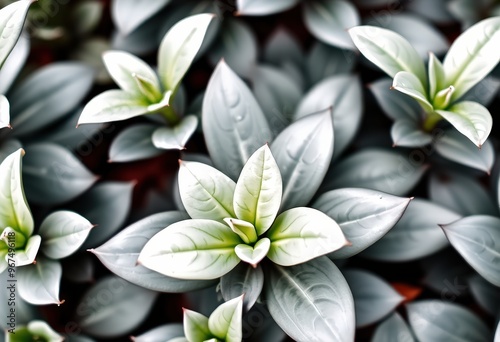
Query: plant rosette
439,90
233,222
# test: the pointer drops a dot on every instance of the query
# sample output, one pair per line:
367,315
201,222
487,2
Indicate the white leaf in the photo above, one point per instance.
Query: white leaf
4,112
176,137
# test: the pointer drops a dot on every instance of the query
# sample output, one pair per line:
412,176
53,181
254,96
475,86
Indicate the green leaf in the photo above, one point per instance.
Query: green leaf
245,230
364,216
38,283
196,326
177,136
342,93
243,279
113,307
302,234
303,152
120,253
47,95
472,56
53,175
133,143
476,238
471,119
40,330
63,232
374,298
389,51
206,193
436,320
179,47
456,147
4,112
12,19
263,7
393,329
233,123
409,84
225,322
112,105
415,236
328,21
127,71
436,75
14,210
253,255
26,256
192,249
257,196
130,14
326,310
163,333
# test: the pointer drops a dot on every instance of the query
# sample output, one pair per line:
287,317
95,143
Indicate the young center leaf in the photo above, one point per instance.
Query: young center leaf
206,193
472,56
63,232
179,47
477,239
225,322
192,249
302,234
257,196
195,326
14,210
12,19
389,51
253,255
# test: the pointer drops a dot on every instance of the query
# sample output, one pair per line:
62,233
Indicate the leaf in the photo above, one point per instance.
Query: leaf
113,307
112,105
161,333
407,83
128,15
476,238
328,21
245,230
364,216
192,249
373,297
237,46
133,143
14,63
257,195
14,210
456,147
326,310
253,255
483,92
47,95
389,51
472,56
263,7
485,294
342,93
225,322
41,330
393,329
27,255
463,194
415,236
324,61
301,234
120,253
4,112
38,283
471,119
176,137
282,47
436,75
53,175
179,47
63,232
233,123
406,133
436,320
243,279
395,105
206,193
86,16
377,169
126,70
303,152
196,326
497,333
12,19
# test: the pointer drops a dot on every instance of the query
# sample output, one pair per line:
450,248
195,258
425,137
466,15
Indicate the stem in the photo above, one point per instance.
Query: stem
169,114
431,121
